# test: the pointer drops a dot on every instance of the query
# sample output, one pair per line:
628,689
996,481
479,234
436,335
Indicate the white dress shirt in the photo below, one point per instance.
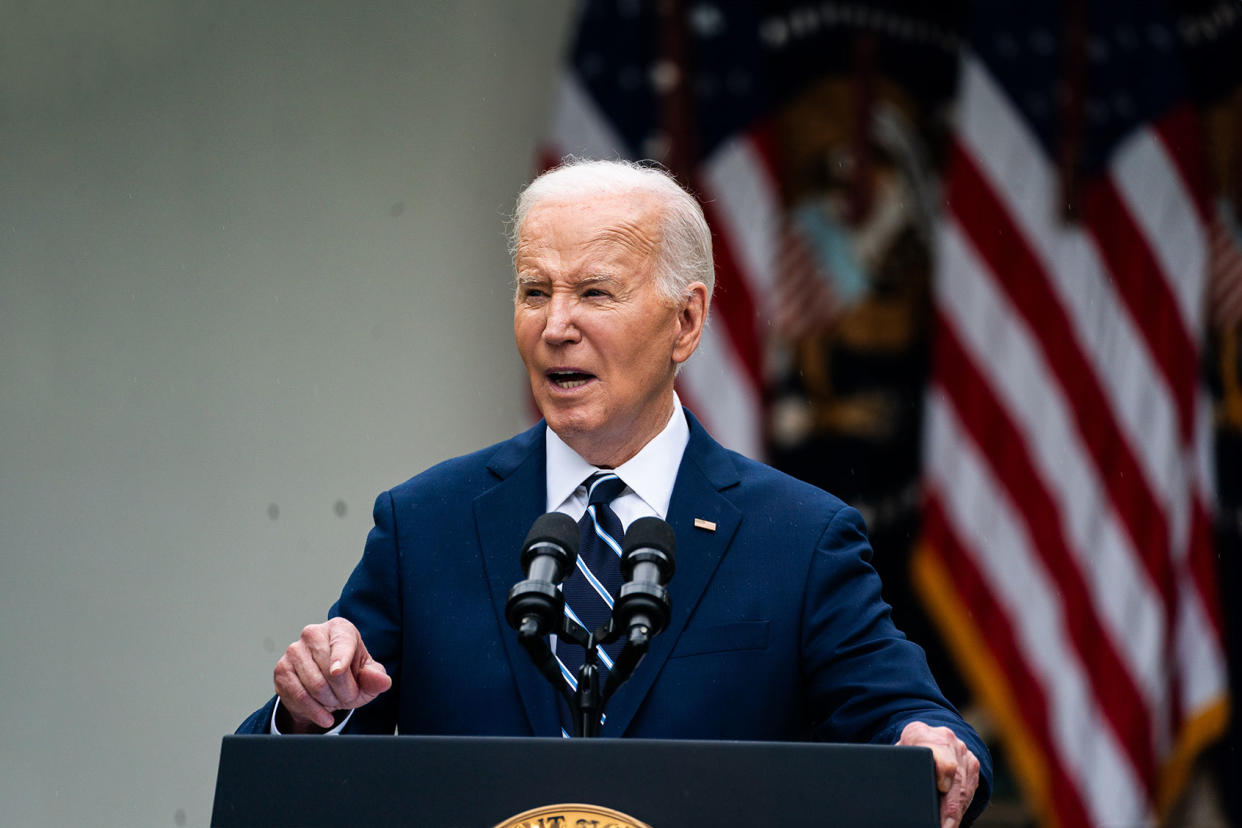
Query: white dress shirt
649,475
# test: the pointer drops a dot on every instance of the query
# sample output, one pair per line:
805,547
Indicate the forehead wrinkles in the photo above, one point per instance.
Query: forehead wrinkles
626,224
640,237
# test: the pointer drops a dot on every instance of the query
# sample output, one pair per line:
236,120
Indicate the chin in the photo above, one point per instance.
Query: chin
565,424
570,423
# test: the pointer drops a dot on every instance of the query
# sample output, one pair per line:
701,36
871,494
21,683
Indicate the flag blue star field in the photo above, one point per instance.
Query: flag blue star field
1067,438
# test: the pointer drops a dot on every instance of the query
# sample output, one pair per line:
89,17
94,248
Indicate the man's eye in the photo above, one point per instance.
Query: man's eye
594,292
533,293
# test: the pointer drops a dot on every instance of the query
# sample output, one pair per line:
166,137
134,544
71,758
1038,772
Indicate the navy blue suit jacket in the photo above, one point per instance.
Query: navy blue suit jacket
778,630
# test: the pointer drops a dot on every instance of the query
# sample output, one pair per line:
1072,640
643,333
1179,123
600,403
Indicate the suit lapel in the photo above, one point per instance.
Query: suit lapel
503,515
705,470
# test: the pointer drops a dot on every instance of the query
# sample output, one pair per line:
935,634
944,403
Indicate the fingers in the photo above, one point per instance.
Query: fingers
372,679
294,681
344,642
327,669
957,769
951,805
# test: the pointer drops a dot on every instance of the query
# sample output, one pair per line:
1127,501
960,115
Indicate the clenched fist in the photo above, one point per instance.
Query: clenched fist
327,669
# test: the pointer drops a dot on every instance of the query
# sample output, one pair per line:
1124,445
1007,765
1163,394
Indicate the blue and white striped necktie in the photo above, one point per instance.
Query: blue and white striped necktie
590,588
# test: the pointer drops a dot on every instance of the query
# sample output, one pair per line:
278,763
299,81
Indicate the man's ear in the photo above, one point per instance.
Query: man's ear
691,317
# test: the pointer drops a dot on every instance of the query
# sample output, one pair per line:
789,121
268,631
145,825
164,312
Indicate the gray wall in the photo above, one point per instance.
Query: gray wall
251,273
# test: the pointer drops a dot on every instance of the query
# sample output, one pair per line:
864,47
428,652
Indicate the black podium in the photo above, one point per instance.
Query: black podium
479,782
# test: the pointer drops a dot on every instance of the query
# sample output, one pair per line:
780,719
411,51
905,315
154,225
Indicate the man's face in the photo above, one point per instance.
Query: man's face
600,343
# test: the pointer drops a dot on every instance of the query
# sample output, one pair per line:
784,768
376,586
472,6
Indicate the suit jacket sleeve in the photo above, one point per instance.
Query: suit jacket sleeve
866,681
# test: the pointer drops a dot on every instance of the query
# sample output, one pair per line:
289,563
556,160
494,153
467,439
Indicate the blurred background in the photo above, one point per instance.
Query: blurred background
979,274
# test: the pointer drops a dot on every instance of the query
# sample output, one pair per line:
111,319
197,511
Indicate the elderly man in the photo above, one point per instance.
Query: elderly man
778,630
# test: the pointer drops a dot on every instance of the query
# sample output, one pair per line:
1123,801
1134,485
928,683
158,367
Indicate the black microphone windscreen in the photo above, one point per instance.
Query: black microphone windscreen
650,533
554,527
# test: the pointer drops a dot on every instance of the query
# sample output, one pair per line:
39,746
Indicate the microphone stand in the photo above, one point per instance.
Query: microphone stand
588,706
589,700
586,703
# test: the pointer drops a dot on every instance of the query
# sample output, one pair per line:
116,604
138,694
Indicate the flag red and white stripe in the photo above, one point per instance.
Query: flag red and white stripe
1067,542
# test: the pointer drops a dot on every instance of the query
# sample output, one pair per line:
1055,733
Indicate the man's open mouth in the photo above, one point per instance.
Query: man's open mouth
569,379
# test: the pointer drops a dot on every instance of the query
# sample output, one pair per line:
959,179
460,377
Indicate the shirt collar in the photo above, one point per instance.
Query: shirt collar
651,473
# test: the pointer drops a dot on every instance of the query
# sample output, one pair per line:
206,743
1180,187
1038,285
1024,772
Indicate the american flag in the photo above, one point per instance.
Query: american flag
1067,534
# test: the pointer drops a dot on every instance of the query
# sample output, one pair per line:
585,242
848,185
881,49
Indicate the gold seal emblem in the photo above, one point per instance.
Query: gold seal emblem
572,815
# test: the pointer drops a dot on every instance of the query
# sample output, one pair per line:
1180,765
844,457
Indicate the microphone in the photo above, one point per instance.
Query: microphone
535,605
648,559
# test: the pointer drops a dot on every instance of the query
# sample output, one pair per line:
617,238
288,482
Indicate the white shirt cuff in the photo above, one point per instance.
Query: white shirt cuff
333,732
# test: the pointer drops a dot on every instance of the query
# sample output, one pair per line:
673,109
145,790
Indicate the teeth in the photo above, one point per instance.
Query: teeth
567,380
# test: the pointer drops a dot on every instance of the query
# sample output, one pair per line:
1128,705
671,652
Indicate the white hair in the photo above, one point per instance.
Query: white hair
685,254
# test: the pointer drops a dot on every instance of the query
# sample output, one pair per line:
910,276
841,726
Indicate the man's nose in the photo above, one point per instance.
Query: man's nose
561,325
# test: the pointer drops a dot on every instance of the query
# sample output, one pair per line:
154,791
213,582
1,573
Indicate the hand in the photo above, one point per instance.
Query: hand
328,668
957,769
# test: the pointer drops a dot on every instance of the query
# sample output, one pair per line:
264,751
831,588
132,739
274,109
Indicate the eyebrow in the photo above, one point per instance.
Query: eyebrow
593,279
